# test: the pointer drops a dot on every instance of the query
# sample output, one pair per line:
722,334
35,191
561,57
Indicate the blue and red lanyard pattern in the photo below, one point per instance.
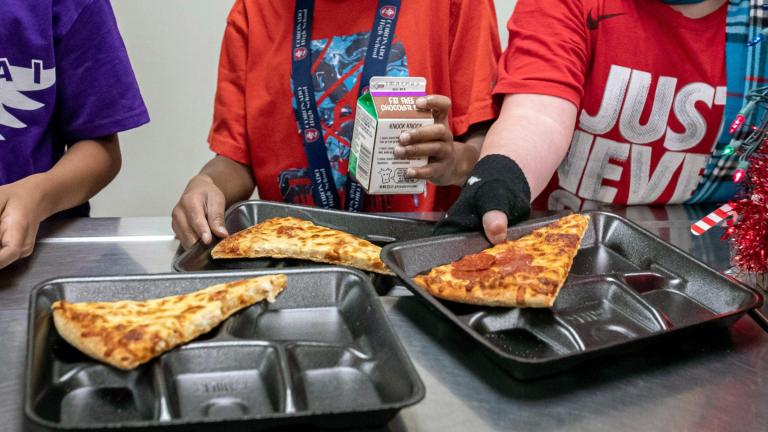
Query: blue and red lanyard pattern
324,191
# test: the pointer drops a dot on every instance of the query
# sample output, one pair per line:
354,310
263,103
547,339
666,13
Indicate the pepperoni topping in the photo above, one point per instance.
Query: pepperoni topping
470,275
474,263
518,267
513,256
547,286
513,261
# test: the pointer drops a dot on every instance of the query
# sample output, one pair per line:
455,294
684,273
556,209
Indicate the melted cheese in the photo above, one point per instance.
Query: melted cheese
551,250
290,237
128,333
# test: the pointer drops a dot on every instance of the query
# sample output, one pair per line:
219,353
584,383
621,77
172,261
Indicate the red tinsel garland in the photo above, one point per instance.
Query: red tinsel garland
750,233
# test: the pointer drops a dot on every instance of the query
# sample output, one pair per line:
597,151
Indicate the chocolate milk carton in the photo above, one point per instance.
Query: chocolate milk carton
383,114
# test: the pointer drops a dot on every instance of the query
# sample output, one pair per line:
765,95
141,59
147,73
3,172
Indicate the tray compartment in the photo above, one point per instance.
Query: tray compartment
94,394
323,324
598,259
604,305
242,375
380,230
73,389
526,333
336,315
223,381
646,281
354,381
626,288
677,308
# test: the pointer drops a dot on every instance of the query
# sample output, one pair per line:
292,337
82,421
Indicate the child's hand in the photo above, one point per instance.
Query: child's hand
435,142
200,212
21,211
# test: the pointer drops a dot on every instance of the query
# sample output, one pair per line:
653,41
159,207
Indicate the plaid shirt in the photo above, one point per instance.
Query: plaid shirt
747,69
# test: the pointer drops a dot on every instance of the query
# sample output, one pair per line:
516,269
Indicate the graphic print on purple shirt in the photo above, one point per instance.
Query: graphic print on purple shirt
64,77
13,81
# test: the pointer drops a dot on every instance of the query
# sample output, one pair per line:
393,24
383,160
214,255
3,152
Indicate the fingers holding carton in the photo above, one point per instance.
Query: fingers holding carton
433,142
383,115
449,159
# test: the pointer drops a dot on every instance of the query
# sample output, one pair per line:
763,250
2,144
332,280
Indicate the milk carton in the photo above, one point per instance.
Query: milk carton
383,114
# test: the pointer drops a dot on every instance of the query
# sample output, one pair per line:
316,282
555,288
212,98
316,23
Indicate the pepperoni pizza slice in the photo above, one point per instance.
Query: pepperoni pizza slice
126,334
289,237
527,272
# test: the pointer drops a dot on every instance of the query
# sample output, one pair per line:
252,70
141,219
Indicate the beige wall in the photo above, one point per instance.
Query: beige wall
174,46
503,12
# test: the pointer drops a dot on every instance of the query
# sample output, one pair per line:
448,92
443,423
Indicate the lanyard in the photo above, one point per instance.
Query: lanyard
324,191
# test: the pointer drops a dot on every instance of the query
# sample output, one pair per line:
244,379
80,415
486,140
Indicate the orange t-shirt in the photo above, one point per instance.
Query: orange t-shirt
452,43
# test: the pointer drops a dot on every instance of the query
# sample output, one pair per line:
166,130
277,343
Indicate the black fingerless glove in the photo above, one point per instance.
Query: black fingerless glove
496,183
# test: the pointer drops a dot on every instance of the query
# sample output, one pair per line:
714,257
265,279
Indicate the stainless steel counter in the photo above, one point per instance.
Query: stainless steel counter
714,380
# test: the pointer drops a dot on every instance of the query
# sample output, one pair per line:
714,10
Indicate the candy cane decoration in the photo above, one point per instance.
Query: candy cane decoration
707,222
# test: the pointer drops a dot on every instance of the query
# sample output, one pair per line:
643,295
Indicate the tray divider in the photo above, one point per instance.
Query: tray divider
162,394
352,349
654,313
289,401
572,333
672,277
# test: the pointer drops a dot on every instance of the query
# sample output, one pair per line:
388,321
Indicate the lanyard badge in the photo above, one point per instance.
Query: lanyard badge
324,191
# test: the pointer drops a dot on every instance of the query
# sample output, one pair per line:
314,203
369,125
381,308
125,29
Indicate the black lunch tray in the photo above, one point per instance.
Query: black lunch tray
626,287
322,356
377,229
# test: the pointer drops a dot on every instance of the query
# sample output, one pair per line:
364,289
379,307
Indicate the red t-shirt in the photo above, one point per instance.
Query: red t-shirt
454,44
649,84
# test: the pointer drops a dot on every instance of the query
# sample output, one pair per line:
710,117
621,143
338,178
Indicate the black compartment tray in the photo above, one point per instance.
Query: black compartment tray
323,355
626,287
377,229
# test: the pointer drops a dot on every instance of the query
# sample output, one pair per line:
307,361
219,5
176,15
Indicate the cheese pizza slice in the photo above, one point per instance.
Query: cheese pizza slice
289,237
527,272
128,333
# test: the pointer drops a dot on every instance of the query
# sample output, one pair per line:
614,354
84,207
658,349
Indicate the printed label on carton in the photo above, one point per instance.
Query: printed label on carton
382,115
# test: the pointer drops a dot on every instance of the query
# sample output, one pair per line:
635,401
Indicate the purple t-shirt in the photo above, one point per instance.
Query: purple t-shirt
64,77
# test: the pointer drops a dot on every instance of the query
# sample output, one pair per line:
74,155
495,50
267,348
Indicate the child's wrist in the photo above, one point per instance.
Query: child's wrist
466,158
37,188
46,203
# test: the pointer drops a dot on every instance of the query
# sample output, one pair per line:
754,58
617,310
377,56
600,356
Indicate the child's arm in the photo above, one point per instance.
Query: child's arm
519,157
83,171
226,179
199,214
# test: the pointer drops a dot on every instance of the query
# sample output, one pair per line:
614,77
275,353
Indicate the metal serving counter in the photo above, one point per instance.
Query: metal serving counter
713,380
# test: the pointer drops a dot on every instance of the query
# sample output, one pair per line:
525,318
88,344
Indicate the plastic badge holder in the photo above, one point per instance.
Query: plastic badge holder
627,287
322,356
380,230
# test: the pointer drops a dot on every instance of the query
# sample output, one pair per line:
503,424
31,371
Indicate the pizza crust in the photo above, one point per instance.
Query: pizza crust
127,333
527,272
489,297
290,237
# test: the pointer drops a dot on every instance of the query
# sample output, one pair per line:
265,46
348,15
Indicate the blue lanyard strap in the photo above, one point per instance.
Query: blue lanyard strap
323,187
324,191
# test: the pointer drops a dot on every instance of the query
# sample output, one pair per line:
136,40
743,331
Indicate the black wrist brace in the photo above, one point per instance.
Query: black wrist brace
496,183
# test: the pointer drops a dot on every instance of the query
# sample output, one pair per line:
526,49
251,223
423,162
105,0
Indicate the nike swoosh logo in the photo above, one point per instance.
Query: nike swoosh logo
592,22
